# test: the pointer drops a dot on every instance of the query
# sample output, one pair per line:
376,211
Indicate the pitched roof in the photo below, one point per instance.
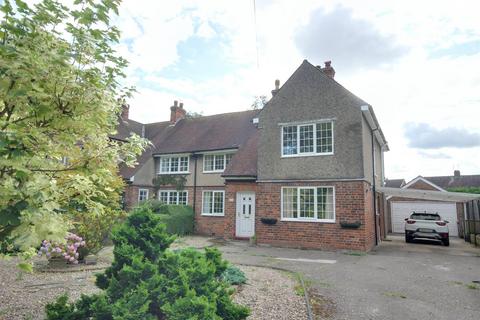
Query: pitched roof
244,162
446,182
126,127
208,133
217,132
394,183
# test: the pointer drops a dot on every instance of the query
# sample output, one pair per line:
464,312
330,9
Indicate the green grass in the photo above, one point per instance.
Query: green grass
395,295
298,288
473,286
355,253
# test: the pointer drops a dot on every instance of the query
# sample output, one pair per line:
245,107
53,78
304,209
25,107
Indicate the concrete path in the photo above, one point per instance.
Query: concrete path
395,281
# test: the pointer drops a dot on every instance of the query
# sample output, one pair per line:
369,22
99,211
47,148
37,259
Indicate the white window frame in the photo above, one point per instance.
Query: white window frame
315,219
140,192
224,154
170,157
168,196
222,214
307,154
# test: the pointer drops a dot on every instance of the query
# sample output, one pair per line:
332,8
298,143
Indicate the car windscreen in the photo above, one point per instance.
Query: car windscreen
425,216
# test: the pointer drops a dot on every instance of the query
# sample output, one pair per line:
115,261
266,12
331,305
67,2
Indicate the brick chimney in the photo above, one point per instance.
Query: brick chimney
277,87
328,69
456,173
124,114
177,112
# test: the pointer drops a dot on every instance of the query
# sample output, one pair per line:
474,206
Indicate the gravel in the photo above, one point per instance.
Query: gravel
271,294
24,295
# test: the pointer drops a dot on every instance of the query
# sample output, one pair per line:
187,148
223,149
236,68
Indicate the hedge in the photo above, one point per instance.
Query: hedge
178,219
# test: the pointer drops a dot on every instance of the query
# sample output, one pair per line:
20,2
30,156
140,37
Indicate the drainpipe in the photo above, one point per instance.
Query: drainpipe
374,196
195,157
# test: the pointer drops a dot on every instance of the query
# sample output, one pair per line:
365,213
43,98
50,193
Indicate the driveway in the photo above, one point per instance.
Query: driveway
394,281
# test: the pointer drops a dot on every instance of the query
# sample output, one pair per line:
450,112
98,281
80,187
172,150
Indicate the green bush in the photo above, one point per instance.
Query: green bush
233,275
178,219
145,281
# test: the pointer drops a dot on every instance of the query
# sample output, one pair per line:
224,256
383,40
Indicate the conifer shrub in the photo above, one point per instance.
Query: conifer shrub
233,275
145,281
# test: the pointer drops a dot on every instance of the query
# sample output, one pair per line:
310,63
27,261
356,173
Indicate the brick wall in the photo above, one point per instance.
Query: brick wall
131,195
353,202
207,225
231,190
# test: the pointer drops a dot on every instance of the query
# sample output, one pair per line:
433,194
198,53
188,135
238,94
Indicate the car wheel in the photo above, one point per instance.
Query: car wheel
446,242
408,239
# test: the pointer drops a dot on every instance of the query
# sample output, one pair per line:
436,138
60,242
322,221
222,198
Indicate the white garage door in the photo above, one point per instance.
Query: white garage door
402,210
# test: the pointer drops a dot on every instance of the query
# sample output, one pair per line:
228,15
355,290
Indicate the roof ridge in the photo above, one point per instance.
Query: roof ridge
451,176
335,81
222,114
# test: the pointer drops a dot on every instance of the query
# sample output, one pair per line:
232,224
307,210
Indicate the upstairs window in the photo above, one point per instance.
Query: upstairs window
307,139
216,162
174,165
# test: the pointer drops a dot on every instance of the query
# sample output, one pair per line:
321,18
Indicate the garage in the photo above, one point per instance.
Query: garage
403,209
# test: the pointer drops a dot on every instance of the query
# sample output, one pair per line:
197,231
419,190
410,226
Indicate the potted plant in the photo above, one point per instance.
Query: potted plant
269,221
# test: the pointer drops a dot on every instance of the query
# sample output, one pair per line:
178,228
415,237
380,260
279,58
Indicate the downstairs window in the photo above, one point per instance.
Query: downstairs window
308,204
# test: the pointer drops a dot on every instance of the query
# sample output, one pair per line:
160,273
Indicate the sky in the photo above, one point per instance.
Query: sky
416,62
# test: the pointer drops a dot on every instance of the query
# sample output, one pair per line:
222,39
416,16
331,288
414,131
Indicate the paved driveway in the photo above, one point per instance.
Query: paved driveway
394,281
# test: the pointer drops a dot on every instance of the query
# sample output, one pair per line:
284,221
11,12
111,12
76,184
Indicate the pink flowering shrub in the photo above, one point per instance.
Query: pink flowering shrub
67,250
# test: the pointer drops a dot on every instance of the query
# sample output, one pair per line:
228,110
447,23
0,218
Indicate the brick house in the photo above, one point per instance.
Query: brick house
301,172
398,208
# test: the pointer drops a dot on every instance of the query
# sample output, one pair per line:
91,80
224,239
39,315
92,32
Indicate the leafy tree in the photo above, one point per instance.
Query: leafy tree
259,102
193,115
60,97
475,190
145,281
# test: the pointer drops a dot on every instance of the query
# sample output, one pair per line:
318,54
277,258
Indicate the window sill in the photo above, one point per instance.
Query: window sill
218,171
308,220
306,155
213,214
173,173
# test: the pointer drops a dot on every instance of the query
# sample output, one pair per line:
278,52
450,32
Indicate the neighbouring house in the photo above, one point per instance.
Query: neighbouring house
399,208
301,172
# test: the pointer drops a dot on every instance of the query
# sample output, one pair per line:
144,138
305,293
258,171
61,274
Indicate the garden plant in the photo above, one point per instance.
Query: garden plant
147,281
61,93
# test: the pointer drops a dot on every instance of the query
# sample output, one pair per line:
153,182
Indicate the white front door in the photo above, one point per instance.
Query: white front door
245,222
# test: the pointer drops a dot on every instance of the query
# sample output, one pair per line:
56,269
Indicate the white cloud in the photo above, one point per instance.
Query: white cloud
443,92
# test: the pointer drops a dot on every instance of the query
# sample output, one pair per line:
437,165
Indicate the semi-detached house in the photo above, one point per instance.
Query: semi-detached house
301,172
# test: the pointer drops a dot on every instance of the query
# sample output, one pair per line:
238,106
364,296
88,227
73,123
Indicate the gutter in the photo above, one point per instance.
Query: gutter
373,123
195,157
374,196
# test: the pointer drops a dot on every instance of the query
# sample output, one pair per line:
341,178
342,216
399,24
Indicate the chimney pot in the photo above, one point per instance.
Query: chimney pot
277,87
328,69
456,173
125,111
177,112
